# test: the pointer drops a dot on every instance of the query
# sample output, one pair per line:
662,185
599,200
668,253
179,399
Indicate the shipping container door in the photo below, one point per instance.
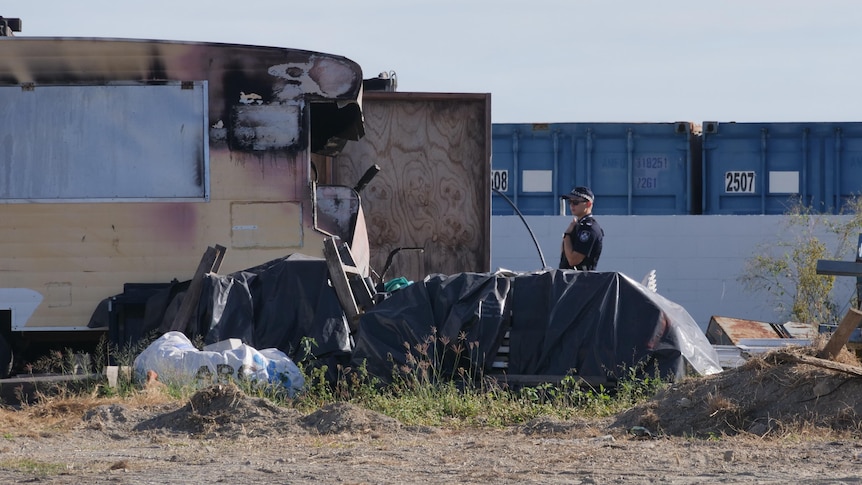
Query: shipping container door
527,162
637,168
842,165
767,168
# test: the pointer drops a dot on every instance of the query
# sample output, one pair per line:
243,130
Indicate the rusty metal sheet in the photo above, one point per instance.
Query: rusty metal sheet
800,330
729,331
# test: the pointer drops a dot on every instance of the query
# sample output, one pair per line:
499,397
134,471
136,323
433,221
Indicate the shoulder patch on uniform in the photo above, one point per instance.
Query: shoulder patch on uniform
584,236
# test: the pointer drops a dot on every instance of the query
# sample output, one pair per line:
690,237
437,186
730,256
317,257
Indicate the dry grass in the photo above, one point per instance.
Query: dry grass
63,411
767,398
650,420
719,404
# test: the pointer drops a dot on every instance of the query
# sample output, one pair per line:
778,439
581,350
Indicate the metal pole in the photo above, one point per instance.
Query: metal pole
859,278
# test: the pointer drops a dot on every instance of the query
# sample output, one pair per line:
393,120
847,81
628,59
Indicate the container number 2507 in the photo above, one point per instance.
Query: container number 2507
739,182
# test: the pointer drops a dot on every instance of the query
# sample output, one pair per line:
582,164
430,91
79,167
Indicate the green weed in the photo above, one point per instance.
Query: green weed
439,384
33,467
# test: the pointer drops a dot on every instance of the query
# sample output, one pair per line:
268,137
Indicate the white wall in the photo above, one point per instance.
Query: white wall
697,259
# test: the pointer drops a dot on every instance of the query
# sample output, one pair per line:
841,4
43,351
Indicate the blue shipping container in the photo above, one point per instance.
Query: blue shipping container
763,168
633,168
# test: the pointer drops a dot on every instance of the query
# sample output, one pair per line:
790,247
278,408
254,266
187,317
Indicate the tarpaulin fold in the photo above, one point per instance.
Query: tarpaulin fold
449,322
277,305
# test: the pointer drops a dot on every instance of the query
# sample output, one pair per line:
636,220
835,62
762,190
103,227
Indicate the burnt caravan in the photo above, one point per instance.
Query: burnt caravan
122,161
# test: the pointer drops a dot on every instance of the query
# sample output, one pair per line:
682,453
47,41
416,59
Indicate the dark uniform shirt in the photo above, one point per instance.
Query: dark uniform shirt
586,239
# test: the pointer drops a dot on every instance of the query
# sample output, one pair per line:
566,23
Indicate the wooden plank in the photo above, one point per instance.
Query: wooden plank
842,334
220,250
826,364
339,281
362,294
193,294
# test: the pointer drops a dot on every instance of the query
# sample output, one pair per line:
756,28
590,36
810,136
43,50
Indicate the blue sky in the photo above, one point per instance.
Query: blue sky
541,60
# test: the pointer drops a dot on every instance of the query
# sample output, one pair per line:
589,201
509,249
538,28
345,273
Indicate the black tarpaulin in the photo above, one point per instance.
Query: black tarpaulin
453,321
276,305
592,324
559,322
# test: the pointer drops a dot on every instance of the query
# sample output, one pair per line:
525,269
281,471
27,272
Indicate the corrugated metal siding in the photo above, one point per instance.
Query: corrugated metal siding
633,168
760,168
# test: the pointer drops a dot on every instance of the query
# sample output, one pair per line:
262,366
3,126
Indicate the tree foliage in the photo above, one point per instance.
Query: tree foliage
786,268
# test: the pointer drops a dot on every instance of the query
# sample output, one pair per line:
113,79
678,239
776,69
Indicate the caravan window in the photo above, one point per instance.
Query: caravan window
115,142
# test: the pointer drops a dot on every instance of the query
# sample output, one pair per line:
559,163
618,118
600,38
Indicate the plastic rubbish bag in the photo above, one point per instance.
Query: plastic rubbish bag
176,361
396,284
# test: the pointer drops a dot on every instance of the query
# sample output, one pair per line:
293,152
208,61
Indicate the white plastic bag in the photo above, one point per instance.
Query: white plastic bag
173,357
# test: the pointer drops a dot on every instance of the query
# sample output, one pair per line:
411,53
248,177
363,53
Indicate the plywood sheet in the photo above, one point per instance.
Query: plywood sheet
433,190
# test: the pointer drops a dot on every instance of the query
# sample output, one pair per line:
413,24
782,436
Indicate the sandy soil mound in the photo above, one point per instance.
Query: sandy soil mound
344,417
224,410
117,420
783,392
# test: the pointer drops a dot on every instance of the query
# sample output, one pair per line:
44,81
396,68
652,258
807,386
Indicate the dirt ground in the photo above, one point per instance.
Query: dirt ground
774,420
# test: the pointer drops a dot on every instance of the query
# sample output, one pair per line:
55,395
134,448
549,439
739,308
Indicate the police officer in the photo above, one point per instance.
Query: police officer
582,241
